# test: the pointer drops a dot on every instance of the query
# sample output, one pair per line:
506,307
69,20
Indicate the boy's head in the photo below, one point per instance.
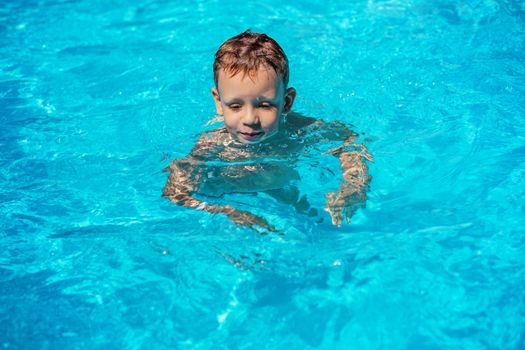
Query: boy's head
251,78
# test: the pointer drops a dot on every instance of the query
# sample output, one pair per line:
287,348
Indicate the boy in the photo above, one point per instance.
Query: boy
252,96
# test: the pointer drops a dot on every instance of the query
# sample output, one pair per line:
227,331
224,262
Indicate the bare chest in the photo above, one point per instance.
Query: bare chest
255,177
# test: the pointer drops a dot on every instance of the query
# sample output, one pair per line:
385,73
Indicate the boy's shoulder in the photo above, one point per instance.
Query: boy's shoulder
299,121
209,142
309,127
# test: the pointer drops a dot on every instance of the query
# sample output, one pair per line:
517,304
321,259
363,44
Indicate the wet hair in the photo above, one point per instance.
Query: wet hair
248,51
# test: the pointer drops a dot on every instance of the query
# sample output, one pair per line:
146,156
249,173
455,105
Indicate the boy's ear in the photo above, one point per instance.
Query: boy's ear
217,100
289,97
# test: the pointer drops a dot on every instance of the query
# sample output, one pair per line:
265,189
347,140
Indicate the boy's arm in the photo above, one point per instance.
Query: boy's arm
184,180
351,195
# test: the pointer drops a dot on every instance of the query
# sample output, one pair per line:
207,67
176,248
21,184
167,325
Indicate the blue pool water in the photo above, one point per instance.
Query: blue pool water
97,97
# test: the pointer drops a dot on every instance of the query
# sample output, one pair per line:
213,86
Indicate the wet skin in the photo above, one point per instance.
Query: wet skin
256,151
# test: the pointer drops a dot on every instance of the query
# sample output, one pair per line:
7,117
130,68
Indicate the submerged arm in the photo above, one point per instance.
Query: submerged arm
183,182
351,194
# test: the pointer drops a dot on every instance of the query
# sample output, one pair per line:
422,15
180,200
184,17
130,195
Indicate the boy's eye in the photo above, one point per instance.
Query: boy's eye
265,105
235,107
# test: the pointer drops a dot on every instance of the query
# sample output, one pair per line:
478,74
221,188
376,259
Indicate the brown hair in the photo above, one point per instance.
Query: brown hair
246,52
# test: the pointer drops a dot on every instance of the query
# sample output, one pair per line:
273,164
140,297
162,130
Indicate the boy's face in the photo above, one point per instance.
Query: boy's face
252,104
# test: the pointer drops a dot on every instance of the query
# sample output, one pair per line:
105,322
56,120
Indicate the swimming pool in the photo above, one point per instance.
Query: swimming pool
95,100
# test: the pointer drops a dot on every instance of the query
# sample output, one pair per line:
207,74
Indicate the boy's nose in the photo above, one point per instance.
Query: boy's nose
250,117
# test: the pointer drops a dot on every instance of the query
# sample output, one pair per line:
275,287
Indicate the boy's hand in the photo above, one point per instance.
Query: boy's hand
343,203
245,218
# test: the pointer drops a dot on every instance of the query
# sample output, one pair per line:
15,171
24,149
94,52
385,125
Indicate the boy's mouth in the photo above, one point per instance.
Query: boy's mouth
251,135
